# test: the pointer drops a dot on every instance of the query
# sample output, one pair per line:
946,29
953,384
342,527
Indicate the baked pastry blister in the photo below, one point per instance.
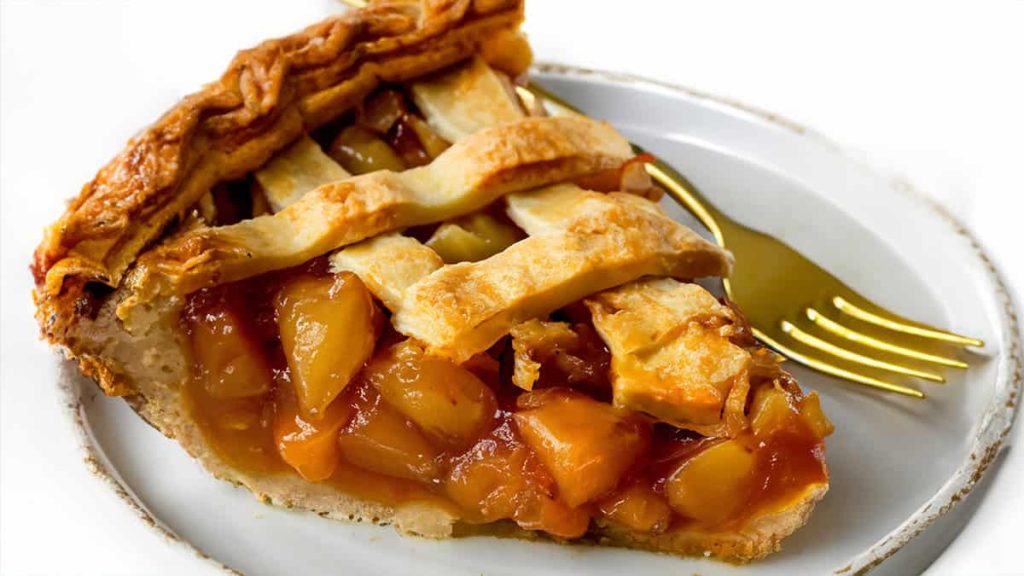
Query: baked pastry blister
358,276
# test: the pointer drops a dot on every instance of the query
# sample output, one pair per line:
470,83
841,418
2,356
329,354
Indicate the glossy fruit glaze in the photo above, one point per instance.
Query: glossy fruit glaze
299,372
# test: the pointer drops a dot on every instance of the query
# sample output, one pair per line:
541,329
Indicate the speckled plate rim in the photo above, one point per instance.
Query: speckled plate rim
989,440
998,418
70,382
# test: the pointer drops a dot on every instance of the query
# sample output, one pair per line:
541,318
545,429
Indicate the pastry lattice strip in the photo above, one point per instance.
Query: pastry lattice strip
672,356
298,169
471,174
455,104
269,95
606,240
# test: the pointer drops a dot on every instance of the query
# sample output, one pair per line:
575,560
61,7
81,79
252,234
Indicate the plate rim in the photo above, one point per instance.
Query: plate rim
999,416
988,442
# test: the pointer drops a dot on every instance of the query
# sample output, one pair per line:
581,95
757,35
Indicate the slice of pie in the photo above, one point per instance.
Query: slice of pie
358,276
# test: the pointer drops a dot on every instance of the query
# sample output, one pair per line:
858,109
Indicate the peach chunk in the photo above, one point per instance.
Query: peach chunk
814,417
380,439
774,410
486,486
310,447
473,238
713,485
490,479
771,411
541,512
229,360
637,507
432,143
360,151
446,401
586,445
328,330
499,478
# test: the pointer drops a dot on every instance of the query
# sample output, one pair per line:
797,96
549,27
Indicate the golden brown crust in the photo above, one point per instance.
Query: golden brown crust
758,537
269,96
466,177
595,242
388,264
301,167
672,357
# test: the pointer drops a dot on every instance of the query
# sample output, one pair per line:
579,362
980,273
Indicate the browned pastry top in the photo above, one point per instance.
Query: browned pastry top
270,95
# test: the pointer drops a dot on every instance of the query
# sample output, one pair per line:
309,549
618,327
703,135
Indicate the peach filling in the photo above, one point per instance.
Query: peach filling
298,371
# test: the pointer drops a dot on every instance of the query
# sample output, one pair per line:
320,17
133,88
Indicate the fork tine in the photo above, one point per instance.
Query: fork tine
860,313
838,329
827,367
830,348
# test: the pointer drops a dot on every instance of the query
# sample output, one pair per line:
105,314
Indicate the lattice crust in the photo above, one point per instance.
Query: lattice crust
671,354
580,243
388,264
471,174
482,103
301,167
462,309
465,100
269,96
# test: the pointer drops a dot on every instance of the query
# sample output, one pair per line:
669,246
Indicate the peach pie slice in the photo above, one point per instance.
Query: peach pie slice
358,276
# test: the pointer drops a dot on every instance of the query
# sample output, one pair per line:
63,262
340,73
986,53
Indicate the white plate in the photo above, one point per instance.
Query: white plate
896,463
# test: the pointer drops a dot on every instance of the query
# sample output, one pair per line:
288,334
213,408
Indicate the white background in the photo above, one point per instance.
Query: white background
934,91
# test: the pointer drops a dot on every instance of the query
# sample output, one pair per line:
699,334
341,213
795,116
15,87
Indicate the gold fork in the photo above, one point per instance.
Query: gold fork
780,290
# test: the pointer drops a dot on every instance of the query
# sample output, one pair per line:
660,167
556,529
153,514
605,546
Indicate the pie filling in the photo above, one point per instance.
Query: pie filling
300,370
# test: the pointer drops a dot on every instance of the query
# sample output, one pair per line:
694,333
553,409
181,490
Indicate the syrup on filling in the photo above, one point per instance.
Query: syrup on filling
648,406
